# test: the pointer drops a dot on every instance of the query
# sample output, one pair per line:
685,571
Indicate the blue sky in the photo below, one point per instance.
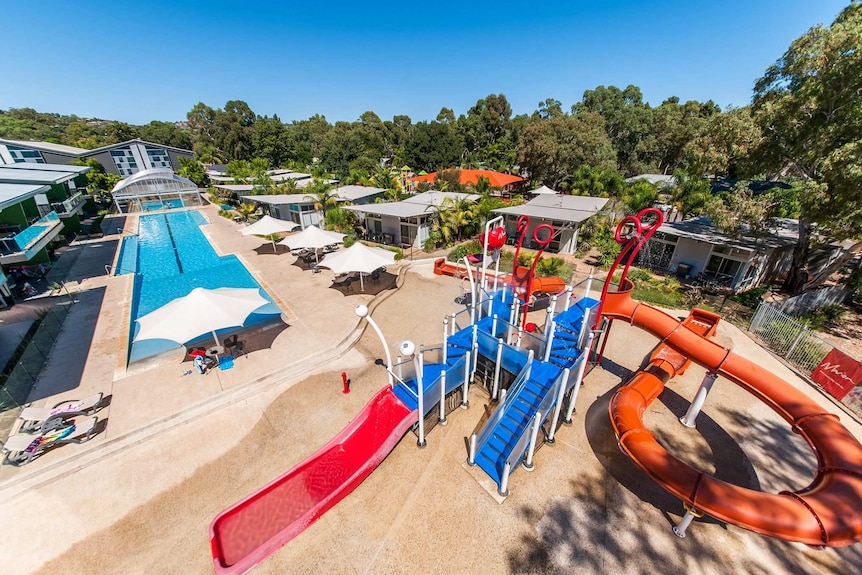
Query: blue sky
138,62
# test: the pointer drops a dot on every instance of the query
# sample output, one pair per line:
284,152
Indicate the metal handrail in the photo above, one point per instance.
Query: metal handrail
542,411
485,434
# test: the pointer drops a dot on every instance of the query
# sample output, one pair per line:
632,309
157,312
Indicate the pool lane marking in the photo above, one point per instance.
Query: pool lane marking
174,244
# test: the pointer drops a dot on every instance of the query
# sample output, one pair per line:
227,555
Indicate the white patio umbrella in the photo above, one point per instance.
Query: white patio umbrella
312,237
359,258
202,310
267,225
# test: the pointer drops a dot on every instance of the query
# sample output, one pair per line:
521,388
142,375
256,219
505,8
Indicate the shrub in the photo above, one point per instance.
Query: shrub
349,240
750,298
824,317
471,247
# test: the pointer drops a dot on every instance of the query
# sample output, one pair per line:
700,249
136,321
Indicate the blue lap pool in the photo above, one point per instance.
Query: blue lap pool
171,256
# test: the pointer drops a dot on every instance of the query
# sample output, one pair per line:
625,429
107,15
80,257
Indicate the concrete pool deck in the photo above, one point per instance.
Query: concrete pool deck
177,450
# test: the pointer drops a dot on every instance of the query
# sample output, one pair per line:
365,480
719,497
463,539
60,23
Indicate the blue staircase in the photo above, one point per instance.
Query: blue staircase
519,409
523,401
564,347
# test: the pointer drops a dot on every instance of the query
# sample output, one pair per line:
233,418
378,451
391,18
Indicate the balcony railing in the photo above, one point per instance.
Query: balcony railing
70,205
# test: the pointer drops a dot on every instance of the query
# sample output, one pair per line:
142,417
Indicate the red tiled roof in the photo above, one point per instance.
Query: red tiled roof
497,179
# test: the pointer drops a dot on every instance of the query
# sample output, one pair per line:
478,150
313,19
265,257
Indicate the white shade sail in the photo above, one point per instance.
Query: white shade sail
201,311
312,237
358,258
267,225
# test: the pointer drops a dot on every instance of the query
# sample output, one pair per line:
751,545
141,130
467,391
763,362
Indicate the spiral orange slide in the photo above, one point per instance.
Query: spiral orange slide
828,512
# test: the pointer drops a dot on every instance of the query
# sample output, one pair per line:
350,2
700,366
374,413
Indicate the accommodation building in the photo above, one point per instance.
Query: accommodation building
692,247
123,159
299,208
562,212
408,222
36,203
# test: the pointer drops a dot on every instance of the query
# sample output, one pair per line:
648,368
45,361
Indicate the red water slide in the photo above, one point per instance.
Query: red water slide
828,512
246,533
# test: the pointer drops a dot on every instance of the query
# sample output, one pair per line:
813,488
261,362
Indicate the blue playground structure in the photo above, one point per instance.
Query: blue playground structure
532,375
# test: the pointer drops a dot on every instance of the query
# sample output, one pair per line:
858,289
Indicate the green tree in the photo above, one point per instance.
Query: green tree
741,212
166,133
194,170
691,194
809,106
638,195
628,120
552,149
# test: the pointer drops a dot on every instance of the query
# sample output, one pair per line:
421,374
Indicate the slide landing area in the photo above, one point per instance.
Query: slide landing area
250,530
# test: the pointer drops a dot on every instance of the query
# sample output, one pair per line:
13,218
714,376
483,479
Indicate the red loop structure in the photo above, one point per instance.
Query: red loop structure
828,512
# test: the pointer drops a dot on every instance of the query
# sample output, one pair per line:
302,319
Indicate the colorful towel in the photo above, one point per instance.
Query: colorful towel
225,362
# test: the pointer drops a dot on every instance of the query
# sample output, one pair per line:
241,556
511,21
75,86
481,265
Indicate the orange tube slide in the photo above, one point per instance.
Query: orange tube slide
828,512
550,285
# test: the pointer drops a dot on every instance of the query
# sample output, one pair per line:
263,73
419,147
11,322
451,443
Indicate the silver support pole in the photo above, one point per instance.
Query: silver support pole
552,309
475,350
579,377
558,406
585,328
497,368
690,514
471,458
590,284
690,416
503,490
420,387
464,403
494,325
453,324
534,433
520,336
445,333
569,291
400,368
362,311
442,417
549,343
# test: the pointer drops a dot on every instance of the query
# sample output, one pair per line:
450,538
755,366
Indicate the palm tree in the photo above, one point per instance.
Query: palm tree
323,196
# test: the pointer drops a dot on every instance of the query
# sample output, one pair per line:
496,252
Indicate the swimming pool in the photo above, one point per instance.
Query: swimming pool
170,257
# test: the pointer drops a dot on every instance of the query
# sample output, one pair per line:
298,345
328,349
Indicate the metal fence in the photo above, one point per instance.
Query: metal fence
790,339
17,385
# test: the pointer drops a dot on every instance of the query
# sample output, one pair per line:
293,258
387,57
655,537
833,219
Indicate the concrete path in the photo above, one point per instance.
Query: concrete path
177,450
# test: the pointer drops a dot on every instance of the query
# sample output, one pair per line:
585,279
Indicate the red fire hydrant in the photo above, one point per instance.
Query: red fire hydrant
346,382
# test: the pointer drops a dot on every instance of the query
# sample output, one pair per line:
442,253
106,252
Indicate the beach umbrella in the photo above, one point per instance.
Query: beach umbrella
201,311
267,225
313,238
359,258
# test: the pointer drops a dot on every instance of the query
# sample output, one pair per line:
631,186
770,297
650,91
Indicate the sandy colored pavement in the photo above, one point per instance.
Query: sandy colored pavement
140,498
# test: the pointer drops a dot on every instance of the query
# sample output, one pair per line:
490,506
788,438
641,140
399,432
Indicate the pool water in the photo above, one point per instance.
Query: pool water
171,256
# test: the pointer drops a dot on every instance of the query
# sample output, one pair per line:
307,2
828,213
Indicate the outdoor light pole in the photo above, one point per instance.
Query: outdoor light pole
362,311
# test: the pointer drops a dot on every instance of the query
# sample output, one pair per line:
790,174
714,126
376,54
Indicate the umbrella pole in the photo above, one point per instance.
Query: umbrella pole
215,337
361,283
274,249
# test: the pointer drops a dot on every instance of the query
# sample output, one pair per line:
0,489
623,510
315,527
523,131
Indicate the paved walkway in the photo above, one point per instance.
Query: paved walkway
177,450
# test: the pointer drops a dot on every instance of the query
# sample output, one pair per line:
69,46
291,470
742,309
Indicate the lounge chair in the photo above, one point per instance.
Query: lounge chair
22,448
43,419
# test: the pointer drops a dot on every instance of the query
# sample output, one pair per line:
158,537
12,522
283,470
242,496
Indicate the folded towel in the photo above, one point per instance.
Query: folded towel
225,362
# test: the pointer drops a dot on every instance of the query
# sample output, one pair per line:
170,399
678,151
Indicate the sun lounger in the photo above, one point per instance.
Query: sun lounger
43,419
22,448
